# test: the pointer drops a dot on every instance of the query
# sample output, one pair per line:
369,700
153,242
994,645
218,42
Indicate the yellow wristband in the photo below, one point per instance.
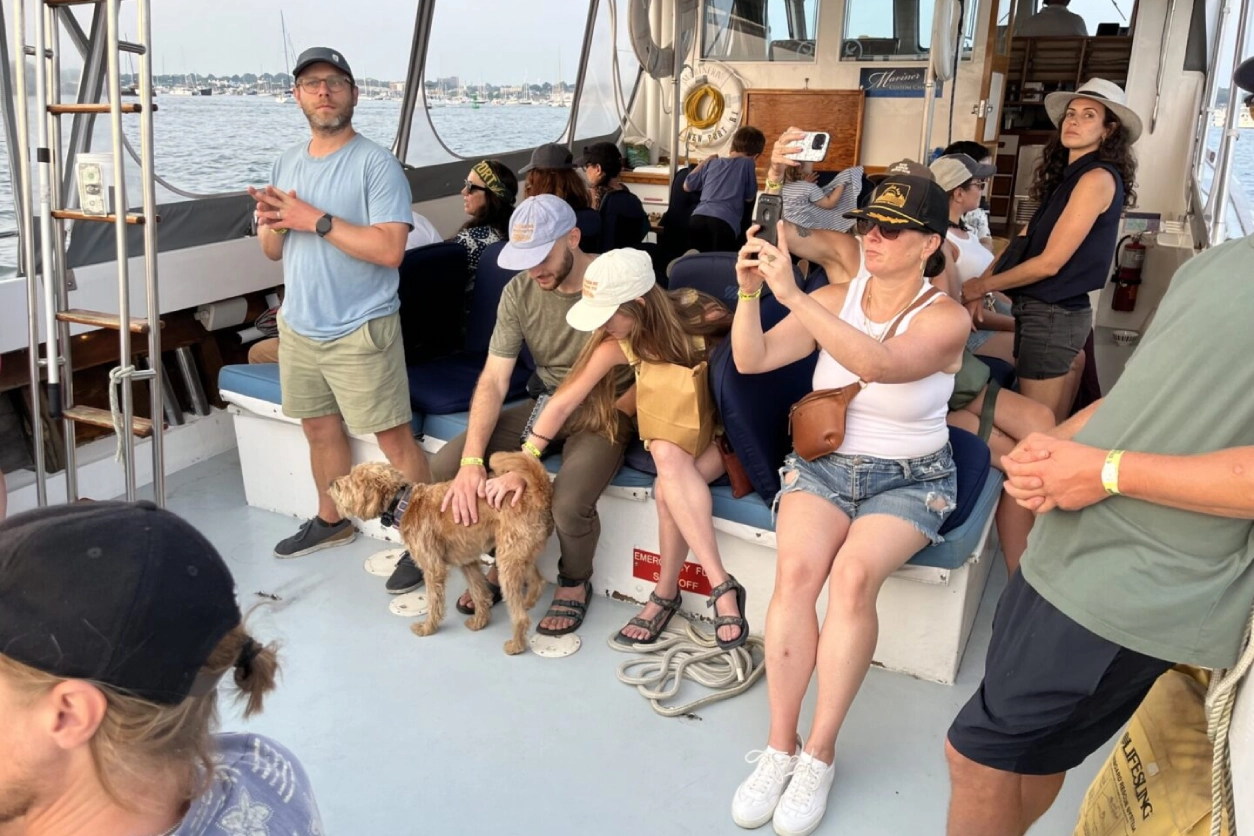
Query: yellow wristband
531,448
472,460
774,185
1110,472
757,294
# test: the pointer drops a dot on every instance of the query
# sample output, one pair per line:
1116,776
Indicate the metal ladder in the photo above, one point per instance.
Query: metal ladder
57,199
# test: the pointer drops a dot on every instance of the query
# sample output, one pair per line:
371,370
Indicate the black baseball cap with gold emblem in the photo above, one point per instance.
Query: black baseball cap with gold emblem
907,198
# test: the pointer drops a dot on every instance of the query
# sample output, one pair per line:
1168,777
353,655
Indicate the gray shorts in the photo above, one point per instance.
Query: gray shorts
921,491
1048,337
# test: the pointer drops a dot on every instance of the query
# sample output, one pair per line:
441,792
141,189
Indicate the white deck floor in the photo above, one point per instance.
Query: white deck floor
447,734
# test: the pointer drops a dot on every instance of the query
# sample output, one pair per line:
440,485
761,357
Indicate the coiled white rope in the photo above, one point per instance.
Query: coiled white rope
116,376
1219,701
689,653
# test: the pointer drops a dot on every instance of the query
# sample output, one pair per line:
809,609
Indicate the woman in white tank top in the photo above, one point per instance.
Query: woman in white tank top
857,515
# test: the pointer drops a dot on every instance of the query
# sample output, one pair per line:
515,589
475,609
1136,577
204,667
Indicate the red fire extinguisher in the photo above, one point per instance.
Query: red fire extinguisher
1130,260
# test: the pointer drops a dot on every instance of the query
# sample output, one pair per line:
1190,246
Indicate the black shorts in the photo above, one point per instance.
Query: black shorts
709,234
1053,692
1048,337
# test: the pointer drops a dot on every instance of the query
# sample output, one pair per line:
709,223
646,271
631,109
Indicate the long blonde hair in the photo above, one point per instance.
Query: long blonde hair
663,324
137,739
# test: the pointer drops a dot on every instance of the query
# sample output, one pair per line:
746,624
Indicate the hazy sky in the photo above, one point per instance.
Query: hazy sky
481,40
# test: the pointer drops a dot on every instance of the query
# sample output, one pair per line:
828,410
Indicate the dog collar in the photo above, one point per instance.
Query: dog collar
392,516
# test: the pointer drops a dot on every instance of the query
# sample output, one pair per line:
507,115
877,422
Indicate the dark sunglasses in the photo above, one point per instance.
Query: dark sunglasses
474,187
865,225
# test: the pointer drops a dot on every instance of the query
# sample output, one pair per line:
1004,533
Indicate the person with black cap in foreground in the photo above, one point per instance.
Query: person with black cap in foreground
854,513
1139,560
337,213
109,682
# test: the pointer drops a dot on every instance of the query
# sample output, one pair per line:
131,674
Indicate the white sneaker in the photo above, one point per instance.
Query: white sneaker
755,799
803,804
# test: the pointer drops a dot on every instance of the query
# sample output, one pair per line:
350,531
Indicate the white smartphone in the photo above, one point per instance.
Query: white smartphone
814,147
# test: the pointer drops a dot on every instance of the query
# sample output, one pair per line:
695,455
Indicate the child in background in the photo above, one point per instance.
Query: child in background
726,184
813,207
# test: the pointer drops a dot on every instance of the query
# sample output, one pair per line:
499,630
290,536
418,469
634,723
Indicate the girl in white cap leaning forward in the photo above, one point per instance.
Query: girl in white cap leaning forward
635,322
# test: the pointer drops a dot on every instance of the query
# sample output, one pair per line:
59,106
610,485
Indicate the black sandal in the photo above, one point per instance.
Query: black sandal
729,620
655,625
465,609
567,608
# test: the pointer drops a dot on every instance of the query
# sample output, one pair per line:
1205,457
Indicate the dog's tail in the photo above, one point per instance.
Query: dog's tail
518,462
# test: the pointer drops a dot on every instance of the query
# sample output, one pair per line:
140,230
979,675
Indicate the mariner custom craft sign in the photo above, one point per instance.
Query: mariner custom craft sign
895,82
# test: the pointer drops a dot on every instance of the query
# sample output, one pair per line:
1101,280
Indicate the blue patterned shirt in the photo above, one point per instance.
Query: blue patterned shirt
259,789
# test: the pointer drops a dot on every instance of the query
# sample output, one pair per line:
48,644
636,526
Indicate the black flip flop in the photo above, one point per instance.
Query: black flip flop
470,610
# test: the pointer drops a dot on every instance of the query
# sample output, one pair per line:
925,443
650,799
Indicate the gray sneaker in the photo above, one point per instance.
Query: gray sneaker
314,536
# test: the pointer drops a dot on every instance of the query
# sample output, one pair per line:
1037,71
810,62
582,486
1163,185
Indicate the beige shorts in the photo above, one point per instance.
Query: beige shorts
360,376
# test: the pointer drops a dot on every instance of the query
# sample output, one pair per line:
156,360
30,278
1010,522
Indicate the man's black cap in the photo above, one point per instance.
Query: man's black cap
124,594
322,55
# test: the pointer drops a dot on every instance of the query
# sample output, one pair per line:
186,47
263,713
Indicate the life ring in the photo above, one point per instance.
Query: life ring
712,104
656,60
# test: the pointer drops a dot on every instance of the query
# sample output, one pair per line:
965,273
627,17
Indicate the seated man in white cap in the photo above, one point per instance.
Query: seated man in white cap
544,246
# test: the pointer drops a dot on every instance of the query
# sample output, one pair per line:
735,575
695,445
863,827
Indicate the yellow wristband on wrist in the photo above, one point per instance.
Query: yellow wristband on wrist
1110,472
757,294
472,461
532,449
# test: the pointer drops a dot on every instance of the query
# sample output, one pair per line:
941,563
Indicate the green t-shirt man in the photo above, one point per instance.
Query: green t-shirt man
1173,584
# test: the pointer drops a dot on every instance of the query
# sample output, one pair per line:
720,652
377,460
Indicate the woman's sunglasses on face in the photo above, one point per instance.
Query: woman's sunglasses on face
864,227
470,187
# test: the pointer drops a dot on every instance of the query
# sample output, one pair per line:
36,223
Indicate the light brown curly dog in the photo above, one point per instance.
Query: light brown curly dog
436,543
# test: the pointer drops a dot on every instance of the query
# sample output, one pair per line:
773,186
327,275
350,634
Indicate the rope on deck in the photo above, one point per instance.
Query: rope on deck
689,653
1219,702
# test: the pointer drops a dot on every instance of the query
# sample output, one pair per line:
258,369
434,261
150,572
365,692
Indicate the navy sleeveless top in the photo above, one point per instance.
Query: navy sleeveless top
1089,267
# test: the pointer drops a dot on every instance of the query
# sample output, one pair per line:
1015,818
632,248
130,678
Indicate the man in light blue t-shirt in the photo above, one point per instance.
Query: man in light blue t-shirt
337,212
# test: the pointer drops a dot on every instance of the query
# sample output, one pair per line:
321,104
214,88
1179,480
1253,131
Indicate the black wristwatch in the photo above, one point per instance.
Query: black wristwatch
323,227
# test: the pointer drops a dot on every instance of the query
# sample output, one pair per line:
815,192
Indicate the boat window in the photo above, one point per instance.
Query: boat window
970,19
760,30
603,102
499,77
897,30
1101,17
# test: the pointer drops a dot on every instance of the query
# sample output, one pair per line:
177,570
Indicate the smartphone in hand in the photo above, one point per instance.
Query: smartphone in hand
813,147
766,214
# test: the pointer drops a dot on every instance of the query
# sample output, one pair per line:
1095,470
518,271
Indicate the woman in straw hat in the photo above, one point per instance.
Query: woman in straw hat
1085,178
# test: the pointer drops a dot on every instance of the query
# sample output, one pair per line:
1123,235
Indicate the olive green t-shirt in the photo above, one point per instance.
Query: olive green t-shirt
529,314
1172,584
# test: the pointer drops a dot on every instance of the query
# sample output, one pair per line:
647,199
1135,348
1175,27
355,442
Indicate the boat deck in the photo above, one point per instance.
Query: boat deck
447,734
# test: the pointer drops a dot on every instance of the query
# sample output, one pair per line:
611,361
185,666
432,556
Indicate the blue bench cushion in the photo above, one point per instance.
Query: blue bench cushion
254,380
446,384
432,292
1001,371
261,381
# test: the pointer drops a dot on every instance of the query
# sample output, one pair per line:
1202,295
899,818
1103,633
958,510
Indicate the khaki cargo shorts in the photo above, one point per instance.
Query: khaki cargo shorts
360,376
